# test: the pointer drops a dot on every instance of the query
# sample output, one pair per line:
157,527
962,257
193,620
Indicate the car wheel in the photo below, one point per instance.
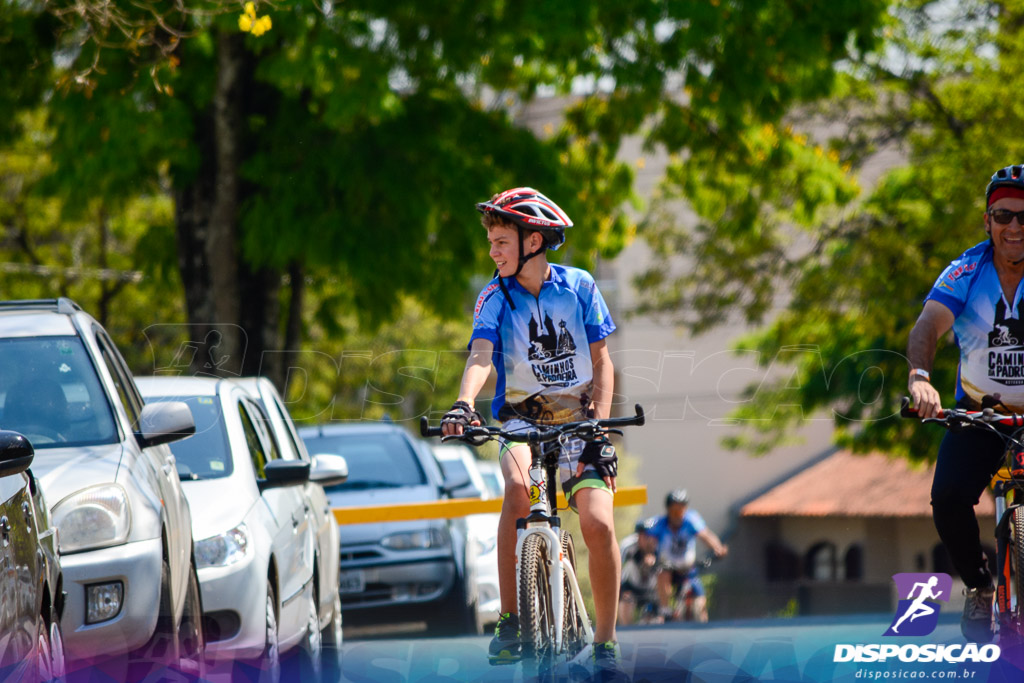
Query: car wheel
267,667
306,662
58,665
454,617
163,647
332,637
42,653
191,637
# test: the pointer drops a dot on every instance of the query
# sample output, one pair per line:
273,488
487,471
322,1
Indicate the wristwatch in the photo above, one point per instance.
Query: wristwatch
923,374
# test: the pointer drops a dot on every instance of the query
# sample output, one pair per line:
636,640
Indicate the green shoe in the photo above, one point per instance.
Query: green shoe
606,656
506,647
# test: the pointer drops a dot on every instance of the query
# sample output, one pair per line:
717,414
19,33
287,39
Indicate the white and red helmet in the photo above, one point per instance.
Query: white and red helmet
530,210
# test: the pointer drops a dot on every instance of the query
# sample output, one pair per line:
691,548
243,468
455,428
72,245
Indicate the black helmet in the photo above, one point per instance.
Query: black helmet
679,496
1011,176
645,525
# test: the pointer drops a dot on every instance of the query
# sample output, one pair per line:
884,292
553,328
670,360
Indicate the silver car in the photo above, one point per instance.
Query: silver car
256,541
398,572
101,458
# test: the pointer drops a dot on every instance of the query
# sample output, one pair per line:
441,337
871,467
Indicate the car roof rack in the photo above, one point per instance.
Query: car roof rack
61,305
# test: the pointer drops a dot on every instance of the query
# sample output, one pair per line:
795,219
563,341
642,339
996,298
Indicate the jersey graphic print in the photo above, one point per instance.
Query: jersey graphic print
552,355
989,328
1006,349
542,345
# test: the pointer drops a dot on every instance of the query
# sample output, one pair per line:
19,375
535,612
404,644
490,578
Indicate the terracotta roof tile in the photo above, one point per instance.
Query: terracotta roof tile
848,485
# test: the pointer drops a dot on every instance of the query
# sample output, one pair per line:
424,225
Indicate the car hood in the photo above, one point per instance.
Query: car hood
63,471
217,505
373,532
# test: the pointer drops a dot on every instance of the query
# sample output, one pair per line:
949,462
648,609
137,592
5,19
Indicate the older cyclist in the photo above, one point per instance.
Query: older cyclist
979,296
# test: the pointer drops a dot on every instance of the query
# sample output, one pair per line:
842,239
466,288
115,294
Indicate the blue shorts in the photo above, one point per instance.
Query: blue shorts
679,579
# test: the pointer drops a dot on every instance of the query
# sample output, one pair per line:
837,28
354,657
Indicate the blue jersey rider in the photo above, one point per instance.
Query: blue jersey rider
543,327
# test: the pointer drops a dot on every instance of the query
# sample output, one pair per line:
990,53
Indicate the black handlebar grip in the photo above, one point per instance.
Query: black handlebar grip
640,419
905,409
426,430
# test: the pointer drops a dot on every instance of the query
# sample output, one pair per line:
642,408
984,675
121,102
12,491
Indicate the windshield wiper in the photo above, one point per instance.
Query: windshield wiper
370,484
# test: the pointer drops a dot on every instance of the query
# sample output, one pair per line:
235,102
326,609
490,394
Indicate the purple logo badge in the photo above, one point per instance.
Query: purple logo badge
918,611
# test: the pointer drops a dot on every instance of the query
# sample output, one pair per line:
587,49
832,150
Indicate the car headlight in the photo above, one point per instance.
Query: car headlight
417,540
96,517
224,549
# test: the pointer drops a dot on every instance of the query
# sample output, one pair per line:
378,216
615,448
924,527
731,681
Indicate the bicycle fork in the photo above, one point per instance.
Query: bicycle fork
1004,603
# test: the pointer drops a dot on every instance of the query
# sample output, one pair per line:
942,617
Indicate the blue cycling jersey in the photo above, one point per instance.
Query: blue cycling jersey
677,548
542,348
988,328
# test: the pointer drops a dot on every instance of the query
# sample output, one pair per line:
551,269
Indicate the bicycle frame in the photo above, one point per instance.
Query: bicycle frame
541,521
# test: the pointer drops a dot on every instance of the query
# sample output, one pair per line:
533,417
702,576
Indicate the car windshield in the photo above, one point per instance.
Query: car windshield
205,455
374,460
50,392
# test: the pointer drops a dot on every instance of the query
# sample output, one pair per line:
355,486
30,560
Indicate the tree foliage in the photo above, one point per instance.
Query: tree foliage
350,141
849,267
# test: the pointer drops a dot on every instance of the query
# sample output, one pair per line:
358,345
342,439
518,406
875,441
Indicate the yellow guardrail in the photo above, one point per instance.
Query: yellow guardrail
446,509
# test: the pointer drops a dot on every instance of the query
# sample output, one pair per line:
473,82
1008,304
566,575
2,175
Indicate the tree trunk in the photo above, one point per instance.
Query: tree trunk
233,308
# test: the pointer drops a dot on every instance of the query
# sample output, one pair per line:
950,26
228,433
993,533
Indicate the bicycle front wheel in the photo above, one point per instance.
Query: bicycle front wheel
1017,553
573,634
536,616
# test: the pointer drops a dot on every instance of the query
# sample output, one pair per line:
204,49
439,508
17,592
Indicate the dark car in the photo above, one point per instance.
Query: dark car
31,590
397,571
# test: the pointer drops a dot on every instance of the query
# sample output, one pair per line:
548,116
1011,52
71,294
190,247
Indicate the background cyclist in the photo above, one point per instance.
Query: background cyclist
543,326
978,296
639,587
677,533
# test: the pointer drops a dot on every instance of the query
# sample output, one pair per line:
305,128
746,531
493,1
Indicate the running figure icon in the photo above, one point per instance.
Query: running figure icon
919,608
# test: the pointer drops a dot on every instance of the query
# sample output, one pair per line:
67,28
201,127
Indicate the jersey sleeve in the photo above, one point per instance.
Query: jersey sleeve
487,314
696,522
597,319
952,287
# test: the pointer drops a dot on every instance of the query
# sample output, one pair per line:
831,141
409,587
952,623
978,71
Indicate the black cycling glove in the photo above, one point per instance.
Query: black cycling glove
462,413
601,454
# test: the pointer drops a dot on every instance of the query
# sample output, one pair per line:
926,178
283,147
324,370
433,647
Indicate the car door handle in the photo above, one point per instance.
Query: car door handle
26,510
170,460
5,530
168,469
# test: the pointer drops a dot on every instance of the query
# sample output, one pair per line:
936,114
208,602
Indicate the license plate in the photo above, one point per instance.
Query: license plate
351,581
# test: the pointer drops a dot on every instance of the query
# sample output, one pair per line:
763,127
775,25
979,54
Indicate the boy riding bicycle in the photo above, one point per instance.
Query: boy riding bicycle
543,327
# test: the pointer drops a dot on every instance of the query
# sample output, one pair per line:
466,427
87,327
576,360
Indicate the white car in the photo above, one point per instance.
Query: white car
461,464
124,527
255,537
326,527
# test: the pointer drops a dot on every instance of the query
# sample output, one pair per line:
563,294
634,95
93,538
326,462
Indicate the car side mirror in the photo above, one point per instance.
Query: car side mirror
329,470
16,453
449,486
280,473
164,422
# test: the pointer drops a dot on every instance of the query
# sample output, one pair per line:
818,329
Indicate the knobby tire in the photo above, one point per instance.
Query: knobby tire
535,607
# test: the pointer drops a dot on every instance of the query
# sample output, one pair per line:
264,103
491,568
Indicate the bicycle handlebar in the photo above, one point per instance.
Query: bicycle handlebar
542,433
985,417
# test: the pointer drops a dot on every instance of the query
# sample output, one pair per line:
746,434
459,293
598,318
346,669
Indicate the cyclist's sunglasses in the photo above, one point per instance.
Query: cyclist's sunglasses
1005,216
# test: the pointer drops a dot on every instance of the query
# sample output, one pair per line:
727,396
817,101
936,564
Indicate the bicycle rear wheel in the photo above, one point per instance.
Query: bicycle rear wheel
536,616
573,633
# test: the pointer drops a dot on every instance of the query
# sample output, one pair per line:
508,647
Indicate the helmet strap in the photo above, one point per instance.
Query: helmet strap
523,258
